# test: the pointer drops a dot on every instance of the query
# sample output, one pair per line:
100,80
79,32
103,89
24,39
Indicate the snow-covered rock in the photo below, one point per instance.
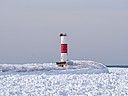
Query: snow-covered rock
78,67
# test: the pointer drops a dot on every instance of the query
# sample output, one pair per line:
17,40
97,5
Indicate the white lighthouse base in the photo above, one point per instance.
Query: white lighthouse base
61,64
64,63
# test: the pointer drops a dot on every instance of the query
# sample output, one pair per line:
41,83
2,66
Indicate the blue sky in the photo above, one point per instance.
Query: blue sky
97,30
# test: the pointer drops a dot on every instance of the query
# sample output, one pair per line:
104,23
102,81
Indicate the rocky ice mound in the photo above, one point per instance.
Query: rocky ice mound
76,67
90,66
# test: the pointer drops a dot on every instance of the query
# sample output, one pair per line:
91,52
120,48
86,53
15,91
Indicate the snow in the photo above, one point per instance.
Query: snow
48,80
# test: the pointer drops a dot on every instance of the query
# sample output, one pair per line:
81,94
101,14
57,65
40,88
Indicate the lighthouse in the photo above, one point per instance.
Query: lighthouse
64,51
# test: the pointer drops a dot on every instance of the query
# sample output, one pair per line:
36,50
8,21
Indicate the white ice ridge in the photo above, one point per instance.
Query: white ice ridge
78,66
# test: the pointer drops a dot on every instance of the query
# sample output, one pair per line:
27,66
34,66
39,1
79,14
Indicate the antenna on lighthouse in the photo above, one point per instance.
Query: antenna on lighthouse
63,50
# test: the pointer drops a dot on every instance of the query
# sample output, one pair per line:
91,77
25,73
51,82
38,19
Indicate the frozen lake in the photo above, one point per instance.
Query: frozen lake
39,83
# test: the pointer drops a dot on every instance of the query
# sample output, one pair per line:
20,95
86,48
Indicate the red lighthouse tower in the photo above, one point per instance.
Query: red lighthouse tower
64,51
